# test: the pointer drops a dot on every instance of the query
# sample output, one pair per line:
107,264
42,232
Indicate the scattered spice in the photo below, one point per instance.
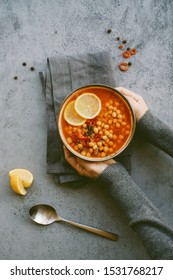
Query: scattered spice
128,49
120,46
126,54
15,78
124,41
118,38
24,63
109,30
32,68
123,66
129,63
133,51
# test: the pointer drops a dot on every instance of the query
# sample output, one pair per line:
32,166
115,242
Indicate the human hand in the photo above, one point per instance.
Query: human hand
136,101
86,168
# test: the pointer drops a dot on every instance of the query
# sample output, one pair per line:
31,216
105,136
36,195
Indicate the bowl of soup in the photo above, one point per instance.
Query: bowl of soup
96,122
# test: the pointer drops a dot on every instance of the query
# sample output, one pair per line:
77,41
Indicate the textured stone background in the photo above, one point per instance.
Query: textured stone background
30,31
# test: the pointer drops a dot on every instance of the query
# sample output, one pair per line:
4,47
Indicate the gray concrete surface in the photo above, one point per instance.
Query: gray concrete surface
30,31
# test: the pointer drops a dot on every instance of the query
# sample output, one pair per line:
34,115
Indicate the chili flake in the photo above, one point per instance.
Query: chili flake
126,54
133,51
120,46
123,66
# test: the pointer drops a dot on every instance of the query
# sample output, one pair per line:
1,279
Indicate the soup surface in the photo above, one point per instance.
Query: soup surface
105,134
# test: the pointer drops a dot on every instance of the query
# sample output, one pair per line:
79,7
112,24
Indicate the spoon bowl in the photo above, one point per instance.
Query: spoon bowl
44,214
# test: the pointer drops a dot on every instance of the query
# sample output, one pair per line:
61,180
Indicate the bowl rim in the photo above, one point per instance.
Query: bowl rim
92,159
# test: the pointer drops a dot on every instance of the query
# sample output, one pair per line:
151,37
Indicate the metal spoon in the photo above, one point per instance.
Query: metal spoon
44,214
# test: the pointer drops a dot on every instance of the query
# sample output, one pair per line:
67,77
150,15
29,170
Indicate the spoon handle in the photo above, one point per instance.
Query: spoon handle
100,232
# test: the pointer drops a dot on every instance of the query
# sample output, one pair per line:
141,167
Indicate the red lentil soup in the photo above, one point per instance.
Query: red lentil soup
104,136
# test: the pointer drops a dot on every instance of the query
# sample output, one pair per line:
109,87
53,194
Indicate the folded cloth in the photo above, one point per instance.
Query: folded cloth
65,74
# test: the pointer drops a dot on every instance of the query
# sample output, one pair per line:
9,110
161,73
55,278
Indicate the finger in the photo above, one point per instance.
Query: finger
69,157
128,92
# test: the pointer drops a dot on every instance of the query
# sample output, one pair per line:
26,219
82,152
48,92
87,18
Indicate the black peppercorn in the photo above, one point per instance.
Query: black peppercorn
118,38
24,63
15,78
128,49
109,30
124,41
129,63
32,68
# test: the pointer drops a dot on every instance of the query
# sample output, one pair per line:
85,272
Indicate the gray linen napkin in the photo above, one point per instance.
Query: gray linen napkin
65,74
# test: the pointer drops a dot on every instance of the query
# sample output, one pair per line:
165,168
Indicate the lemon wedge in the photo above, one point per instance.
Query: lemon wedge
88,105
71,116
25,176
20,179
17,185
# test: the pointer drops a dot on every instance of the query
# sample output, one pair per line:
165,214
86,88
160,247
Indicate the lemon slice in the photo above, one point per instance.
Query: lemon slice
17,185
71,116
25,176
88,105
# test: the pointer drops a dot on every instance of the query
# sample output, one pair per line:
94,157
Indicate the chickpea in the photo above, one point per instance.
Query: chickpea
110,150
110,135
83,153
84,125
95,147
70,133
110,112
104,137
107,140
123,123
121,136
127,132
106,126
106,132
111,102
117,125
69,140
99,123
110,143
118,111
128,126
76,147
110,107
117,104
107,104
90,150
70,127
91,144
103,154
115,137
74,129
96,130
101,132
124,117
101,148
111,131
102,125
114,108
120,120
80,146
105,149
88,154
115,120
99,144
119,116
114,114
109,121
